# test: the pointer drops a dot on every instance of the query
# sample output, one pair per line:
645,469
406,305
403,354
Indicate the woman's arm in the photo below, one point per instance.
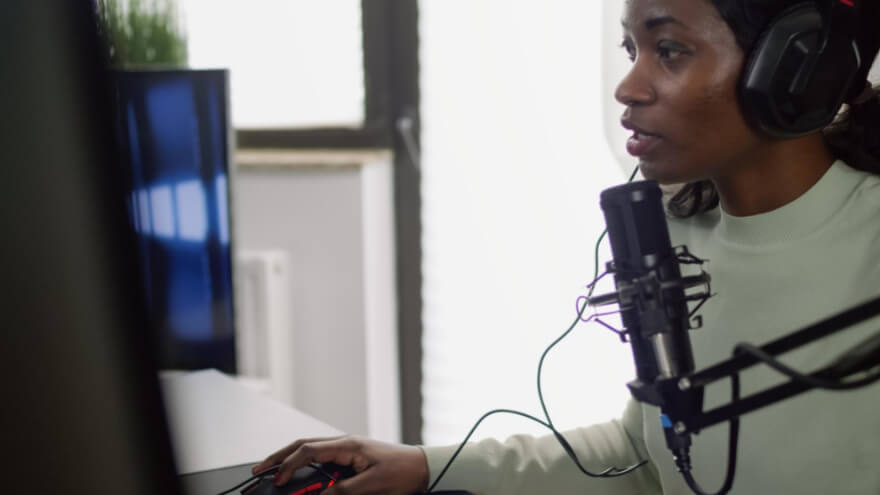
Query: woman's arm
521,465
530,465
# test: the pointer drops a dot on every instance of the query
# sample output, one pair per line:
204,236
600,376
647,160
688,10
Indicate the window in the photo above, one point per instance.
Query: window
374,87
517,118
267,44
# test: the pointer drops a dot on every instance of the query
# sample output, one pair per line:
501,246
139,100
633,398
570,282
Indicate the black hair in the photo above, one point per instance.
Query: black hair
854,136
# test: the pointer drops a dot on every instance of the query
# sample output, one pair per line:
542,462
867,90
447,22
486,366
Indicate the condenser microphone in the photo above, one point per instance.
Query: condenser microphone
650,290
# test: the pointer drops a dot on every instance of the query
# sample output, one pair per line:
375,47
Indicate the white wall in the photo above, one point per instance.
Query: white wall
334,219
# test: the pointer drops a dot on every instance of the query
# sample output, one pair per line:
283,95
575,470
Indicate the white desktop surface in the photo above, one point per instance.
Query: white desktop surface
217,422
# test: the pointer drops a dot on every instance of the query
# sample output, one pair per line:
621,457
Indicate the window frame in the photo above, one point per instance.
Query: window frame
378,30
391,93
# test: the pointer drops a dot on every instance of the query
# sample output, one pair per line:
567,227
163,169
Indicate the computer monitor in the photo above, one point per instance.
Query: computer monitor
175,136
82,410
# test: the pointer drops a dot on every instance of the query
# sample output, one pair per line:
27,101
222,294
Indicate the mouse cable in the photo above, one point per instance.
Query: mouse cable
255,477
273,470
610,472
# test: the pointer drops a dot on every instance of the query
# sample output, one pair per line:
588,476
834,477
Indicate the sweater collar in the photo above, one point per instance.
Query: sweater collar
798,218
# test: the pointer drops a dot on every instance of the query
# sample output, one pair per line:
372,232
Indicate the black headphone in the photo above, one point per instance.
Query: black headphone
802,68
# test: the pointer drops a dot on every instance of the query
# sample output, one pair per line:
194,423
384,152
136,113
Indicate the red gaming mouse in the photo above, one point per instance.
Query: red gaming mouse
310,480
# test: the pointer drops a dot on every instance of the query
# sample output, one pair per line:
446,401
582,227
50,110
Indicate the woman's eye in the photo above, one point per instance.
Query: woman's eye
669,50
630,49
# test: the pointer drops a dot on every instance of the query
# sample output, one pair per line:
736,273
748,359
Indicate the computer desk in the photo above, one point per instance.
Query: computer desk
217,422
221,427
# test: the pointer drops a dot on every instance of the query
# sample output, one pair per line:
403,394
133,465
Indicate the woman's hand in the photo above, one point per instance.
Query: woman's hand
381,467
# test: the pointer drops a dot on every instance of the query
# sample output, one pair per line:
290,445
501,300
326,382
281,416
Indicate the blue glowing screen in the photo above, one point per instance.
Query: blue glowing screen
174,127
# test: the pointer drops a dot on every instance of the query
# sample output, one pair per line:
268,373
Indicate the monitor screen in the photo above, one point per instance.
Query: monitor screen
174,132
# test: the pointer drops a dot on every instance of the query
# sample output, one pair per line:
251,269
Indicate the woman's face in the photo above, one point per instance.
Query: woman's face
680,93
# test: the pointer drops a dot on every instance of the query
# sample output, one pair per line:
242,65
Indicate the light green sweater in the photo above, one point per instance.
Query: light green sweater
773,273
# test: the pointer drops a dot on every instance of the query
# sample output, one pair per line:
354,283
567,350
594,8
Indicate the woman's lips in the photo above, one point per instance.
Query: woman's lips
641,143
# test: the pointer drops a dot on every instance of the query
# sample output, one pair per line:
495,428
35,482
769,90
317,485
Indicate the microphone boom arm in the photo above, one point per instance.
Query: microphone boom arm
864,356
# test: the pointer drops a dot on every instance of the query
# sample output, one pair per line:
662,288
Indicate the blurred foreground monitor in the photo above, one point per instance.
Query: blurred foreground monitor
82,412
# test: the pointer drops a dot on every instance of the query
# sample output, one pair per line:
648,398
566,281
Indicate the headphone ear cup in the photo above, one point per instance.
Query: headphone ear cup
791,85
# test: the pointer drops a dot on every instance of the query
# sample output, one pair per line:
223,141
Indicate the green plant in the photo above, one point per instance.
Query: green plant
142,32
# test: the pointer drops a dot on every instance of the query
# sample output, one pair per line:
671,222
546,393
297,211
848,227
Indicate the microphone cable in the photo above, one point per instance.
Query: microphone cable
682,456
610,472
863,357
592,287
810,380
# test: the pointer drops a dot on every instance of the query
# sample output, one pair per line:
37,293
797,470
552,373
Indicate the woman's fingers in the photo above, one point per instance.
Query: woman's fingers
279,456
364,483
381,468
341,450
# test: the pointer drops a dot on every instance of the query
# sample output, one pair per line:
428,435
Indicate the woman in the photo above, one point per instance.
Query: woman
792,231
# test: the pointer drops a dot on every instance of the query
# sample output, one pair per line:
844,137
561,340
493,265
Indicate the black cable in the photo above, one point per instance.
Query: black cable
682,459
273,470
633,174
245,482
607,473
252,478
470,433
797,376
592,287
577,319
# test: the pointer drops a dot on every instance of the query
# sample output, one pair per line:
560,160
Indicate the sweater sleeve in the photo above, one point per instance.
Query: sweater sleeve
529,465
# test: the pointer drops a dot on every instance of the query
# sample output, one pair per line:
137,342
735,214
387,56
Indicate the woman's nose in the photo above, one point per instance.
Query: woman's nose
635,88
